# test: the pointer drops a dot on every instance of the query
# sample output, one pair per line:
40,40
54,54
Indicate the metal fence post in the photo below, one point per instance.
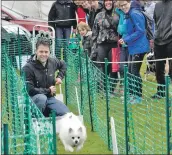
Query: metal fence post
80,67
125,109
167,113
6,146
13,107
66,76
107,102
6,80
19,50
54,132
88,84
27,126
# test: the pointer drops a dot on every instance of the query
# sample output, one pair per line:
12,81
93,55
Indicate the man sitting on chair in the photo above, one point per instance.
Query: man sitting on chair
39,73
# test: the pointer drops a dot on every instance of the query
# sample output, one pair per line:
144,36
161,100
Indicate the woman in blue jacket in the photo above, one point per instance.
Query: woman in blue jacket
137,43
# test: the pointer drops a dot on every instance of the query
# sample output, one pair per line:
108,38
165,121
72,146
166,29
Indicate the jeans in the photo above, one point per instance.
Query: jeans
46,105
123,58
161,52
61,33
104,51
135,86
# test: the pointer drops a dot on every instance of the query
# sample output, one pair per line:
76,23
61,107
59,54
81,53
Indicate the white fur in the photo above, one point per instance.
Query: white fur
72,132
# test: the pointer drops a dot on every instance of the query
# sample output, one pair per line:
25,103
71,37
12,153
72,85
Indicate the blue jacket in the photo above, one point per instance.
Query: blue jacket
136,33
121,27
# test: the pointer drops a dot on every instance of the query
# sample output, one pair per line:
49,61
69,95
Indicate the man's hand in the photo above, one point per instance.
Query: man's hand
53,90
58,81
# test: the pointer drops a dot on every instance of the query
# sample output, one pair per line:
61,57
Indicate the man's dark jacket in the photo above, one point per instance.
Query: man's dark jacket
62,10
39,78
163,22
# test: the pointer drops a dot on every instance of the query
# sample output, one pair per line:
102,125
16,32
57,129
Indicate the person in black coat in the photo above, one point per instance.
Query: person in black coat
62,17
39,73
162,43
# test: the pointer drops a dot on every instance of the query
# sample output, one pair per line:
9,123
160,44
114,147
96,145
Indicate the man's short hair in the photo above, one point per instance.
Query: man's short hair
43,41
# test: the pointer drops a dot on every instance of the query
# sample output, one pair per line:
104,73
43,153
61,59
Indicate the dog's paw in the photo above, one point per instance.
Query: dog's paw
79,147
69,149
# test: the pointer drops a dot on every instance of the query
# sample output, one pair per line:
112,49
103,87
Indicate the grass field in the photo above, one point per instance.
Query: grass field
147,122
147,128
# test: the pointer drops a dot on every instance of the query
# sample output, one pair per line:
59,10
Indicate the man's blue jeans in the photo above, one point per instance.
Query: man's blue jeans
46,105
61,33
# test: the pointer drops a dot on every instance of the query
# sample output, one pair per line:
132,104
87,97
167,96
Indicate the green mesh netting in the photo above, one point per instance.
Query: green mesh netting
16,45
147,120
147,128
142,127
21,115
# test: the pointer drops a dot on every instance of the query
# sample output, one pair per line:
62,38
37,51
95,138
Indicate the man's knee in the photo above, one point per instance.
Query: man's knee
40,100
59,107
62,109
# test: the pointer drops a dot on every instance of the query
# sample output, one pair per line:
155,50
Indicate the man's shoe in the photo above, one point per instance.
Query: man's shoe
157,96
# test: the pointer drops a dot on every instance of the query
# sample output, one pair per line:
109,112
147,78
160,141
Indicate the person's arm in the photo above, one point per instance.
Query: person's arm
91,41
154,17
51,16
115,21
30,83
95,33
61,66
139,28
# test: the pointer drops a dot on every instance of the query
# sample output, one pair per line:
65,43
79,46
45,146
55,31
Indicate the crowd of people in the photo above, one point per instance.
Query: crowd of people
104,25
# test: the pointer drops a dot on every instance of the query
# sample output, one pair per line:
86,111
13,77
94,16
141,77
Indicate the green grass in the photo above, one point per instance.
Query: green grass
147,121
147,128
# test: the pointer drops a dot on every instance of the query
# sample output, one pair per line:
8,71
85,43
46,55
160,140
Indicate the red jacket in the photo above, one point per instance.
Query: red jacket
81,15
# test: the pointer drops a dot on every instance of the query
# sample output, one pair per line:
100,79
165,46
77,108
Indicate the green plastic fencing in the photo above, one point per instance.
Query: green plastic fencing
147,126
143,128
16,45
29,132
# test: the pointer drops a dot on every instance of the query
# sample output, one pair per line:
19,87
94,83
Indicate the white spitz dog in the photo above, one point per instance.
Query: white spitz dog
72,132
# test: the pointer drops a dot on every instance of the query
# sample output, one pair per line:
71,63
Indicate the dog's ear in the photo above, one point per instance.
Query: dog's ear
70,130
80,129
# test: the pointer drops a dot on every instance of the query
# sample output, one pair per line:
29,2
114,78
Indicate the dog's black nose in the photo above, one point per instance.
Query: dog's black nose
76,142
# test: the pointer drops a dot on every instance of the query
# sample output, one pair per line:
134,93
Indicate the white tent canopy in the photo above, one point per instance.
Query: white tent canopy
36,9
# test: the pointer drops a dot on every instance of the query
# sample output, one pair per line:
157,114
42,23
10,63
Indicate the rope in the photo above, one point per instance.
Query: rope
136,61
43,21
64,20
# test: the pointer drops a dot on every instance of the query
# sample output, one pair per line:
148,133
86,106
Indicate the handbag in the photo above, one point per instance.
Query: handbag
115,58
